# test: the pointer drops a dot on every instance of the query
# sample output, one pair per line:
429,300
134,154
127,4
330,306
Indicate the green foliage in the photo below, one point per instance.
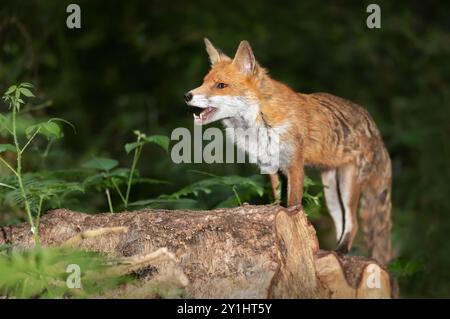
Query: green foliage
239,187
13,96
7,147
405,268
249,185
312,197
101,164
160,140
42,273
53,187
29,191
108,179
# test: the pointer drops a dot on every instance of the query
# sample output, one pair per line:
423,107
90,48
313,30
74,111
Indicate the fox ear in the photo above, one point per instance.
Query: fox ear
244,58
215,55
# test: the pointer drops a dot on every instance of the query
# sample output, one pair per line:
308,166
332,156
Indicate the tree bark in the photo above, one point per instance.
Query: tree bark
245,252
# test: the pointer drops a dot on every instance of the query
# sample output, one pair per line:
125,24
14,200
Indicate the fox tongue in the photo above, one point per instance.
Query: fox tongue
206,112
198,119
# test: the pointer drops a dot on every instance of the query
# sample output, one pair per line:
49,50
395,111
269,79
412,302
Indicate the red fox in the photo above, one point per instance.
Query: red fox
320,130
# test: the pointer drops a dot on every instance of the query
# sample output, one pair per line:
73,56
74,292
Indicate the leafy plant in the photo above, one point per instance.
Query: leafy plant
14,96
238,185
43,273
111,177
50,187
231,182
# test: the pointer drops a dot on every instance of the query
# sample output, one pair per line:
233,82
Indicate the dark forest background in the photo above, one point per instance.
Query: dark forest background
129,65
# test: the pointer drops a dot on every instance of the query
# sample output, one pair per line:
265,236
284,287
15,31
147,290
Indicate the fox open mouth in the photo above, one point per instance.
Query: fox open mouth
203,114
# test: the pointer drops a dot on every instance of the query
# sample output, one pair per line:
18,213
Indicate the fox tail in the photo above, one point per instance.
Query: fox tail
375,210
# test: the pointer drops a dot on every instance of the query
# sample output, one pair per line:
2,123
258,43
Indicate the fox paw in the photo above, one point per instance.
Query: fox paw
276,202
341,250
343,246
294,208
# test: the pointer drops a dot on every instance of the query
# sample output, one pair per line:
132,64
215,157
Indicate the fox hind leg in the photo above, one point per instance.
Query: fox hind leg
330,183
349,191
342,193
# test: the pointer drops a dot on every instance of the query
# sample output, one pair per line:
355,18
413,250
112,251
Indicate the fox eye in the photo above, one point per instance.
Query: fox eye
221,85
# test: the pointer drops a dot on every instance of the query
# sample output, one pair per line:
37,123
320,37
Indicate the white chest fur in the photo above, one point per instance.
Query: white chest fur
264,144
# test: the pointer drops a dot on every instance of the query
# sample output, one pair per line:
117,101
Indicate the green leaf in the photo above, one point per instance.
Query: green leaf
160,140
51,129
120,172
48,129
101,163
131,146
11,89
7,147
56,119
98,181
26,85
31,129
26,92
309,182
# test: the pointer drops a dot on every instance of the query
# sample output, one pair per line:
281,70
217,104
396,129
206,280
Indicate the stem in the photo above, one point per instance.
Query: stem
47,149
29,141
9,166
108,196
116,187
19,176
38,215
45,154
9,131
137,154
7,186
237,196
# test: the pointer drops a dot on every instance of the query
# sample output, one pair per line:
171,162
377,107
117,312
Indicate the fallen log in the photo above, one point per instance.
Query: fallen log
245,252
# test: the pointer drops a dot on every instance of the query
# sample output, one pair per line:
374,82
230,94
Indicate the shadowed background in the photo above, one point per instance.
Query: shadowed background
129,65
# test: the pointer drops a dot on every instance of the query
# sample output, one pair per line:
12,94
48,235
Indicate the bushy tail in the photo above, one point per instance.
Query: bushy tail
375,210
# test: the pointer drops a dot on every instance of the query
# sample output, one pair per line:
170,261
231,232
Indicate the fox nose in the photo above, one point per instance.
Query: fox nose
188,96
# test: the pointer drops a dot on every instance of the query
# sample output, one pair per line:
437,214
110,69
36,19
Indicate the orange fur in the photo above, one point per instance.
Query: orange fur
324,131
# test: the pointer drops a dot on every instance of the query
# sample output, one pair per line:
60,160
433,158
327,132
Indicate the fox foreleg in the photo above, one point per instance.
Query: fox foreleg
295,177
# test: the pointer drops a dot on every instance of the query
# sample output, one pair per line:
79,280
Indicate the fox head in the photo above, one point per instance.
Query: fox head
230,89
